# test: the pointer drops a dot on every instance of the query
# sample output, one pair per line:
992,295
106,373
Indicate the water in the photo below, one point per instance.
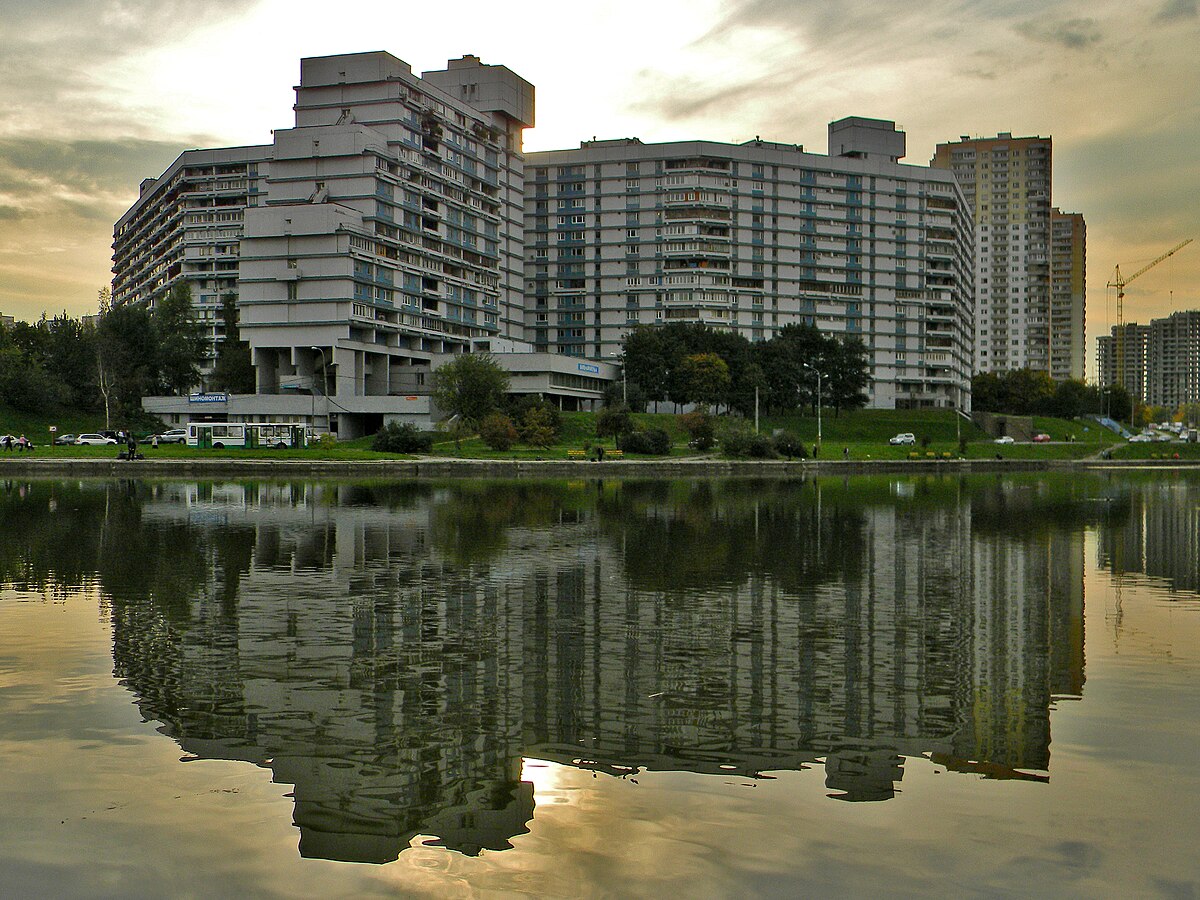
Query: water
902,686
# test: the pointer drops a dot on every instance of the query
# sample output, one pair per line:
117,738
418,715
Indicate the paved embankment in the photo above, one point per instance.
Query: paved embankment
226,467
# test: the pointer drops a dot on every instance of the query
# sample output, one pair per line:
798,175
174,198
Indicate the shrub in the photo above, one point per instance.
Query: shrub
402,438
701,427
540,428
787,444
613,421
532,410
651,442
741,443
497,431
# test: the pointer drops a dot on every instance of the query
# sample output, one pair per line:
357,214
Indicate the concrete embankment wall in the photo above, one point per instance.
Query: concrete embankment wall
466,468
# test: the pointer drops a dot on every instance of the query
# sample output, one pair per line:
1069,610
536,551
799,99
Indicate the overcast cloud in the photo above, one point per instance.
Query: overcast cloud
99,95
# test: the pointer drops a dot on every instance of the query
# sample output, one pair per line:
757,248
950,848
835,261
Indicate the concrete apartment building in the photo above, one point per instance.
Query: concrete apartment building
1130,343
1068,295
186,228
1029,309
751,237
1173,360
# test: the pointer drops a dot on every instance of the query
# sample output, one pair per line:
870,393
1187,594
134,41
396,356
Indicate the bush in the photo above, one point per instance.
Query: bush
651,442
787,444
741,443
532,410
540,427
613,421
497,431
701,428
407,438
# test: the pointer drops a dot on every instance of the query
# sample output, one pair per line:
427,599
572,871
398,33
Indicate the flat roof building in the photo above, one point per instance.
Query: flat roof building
752,237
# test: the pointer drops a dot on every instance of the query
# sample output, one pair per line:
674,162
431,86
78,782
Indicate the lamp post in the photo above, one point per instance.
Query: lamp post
818,374
324,392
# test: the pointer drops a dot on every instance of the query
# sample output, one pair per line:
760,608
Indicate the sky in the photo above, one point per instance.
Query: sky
99,94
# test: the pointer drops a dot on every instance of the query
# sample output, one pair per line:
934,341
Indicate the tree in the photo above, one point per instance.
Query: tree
234,370
181,340
127,360
846,374
470,386
498,431
705,378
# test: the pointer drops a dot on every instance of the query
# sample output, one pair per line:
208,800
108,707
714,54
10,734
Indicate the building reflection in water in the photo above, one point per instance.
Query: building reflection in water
396,651
1157,537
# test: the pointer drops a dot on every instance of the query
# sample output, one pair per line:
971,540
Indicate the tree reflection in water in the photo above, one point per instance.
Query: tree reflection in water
395,650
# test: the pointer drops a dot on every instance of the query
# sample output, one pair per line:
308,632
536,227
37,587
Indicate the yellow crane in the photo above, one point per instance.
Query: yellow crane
1119,283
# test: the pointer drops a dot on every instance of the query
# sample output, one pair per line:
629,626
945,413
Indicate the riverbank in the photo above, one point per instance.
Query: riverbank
431,467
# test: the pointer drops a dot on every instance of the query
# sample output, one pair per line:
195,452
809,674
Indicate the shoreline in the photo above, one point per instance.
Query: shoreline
498,468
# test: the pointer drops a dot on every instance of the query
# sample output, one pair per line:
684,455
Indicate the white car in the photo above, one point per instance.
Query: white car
94,440
1141,439
1006,439
905,438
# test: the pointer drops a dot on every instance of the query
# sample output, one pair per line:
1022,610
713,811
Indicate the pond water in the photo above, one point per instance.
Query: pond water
954,686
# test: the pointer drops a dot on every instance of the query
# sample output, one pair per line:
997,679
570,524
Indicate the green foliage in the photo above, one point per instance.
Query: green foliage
613,421
701,427
127,354
234,369
651,442
470,386
402,438
181,340
24,384
540,426
497,431
789,445
704,378
739,442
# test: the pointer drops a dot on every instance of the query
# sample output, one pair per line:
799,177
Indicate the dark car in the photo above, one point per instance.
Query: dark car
63,439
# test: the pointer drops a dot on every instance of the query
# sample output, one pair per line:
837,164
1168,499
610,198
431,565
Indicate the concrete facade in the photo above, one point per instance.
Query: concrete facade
752,237
186,228
1007,182
1128,341
1068,295
1173,360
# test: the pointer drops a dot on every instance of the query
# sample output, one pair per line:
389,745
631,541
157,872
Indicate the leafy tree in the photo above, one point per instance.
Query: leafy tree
538,427
470,386
25,384
498,431
181,340
846,374
127,360
613,421
234,370
705,378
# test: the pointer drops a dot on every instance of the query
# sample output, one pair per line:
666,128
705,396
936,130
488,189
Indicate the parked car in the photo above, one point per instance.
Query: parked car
1141,439
63,439
94,440
1042,438
174,436
906,438
1006,439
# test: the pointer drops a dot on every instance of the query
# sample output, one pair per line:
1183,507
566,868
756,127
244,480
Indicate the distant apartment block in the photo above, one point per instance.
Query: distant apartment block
1028,309
751,237
186,228
1173,360
1122,358
1068,300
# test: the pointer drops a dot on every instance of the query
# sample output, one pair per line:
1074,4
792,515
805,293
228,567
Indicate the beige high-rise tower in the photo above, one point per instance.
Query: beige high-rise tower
1020,295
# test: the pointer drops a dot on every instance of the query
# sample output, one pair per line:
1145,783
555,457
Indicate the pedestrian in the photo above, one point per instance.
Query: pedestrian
599,454
8,442
816,450
22,444
845,453
131,445
154,442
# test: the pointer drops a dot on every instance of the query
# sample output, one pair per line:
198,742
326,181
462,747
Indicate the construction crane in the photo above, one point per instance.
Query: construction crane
1119,283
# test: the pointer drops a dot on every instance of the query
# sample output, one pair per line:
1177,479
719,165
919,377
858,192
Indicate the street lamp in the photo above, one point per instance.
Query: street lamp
324,391
819,376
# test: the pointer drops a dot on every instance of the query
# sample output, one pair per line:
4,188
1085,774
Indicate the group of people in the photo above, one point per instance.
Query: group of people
20,444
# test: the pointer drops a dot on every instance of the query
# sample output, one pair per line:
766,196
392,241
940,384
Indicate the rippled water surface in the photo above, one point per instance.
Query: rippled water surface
902,686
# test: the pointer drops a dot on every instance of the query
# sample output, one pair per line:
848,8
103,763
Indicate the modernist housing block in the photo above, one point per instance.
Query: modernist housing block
751,237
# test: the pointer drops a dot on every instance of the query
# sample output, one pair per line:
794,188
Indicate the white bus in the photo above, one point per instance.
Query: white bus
218,435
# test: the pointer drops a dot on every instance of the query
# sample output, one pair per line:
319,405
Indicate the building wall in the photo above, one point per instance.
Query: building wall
1173,360
1128,342
1007,183
1068,295
186,228
750,238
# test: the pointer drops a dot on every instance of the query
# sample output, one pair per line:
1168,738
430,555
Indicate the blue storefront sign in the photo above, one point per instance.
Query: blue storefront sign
588,367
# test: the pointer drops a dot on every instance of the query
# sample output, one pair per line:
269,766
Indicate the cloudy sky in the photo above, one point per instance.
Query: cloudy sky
101,93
